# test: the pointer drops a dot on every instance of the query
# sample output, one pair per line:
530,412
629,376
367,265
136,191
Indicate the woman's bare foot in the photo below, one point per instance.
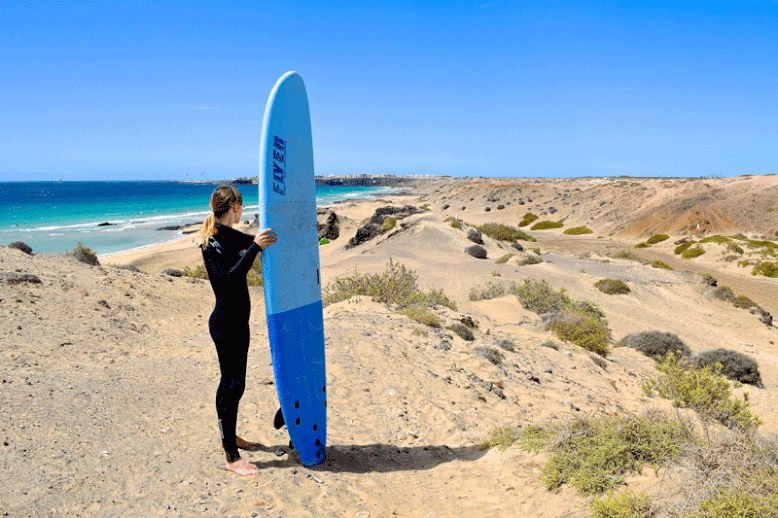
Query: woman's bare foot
243,467
248,446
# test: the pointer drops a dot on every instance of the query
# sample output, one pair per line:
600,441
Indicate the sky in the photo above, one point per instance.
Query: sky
162,90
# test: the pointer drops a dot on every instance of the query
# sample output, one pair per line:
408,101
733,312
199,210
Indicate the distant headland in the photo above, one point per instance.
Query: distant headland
356,180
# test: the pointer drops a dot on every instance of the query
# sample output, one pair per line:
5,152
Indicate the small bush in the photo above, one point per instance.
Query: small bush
491,354
744,302
642,245
593,453
724,293
531,259
589,333
738,503
719,240
691,253
765,268
577,231
626,254
546,225
21,246
501,437
705,391
657,238
502,232
528,218
454,222
661,264
733,365
422,316
625,505
85,255
463,331
504,259
490,291
254,276
388,224
682,247
395,286
656,344
539,297
198,273
536,250
612,286
508,345
734,247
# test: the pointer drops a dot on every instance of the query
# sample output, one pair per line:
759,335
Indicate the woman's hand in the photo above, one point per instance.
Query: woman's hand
265,238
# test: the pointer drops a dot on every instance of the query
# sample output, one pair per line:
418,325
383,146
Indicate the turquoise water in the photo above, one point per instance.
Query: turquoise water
53,217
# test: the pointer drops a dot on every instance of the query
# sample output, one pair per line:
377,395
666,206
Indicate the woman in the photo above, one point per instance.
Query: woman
228,256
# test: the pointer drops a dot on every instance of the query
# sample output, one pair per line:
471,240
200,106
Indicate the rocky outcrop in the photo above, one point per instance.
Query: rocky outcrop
328,225
373,227
475,236
24,247
476,251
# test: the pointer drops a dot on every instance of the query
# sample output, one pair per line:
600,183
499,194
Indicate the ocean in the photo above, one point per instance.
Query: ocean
53,217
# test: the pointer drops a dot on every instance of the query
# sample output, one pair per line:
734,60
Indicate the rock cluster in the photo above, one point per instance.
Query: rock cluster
373,227
329,229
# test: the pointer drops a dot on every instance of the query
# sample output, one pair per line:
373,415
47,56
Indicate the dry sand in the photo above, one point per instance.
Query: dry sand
109,375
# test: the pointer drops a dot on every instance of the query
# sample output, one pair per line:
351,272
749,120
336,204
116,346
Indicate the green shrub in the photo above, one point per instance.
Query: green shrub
724,293
395,286
738,503
508,345
463,331
626,254
577,231
539,297
454,222
642,245
504,259
744,302
719,240
502,232
731,364
324,241
593,453
84,255
198,273
501,437
766,268
657,238
661,264
625,505
528,218
388,224
490,291
705,391
536,250
612,286
531,259
682,247
589,333
254,275
734,247
546,225
421,315
656,344
693,252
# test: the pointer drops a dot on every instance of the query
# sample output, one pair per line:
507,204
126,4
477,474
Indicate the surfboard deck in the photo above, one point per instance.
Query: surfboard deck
290,267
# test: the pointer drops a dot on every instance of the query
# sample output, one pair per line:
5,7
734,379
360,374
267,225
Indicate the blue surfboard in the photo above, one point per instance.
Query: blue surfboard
290,268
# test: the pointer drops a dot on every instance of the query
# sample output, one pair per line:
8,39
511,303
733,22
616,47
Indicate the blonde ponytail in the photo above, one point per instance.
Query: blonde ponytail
222,200
209,228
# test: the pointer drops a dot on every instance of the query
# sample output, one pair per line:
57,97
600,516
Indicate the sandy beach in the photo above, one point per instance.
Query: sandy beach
109,374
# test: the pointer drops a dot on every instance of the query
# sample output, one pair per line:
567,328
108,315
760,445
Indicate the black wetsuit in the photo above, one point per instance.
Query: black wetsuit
228,258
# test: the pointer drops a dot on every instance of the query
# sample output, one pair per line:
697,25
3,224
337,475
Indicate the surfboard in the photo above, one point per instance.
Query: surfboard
290,267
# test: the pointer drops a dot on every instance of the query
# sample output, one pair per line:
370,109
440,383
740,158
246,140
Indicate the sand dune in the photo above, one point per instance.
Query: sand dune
109,375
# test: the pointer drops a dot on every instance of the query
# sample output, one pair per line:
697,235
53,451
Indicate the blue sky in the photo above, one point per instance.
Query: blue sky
171,91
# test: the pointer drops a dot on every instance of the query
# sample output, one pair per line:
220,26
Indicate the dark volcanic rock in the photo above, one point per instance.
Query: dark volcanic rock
476,251
500,207
173,272
330,229
373,228
24,247
171,227
764,316
445,206
20,278
517,246
475,236
488,209
105,224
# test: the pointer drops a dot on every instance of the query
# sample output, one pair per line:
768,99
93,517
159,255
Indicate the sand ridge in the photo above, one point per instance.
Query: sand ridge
108,375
